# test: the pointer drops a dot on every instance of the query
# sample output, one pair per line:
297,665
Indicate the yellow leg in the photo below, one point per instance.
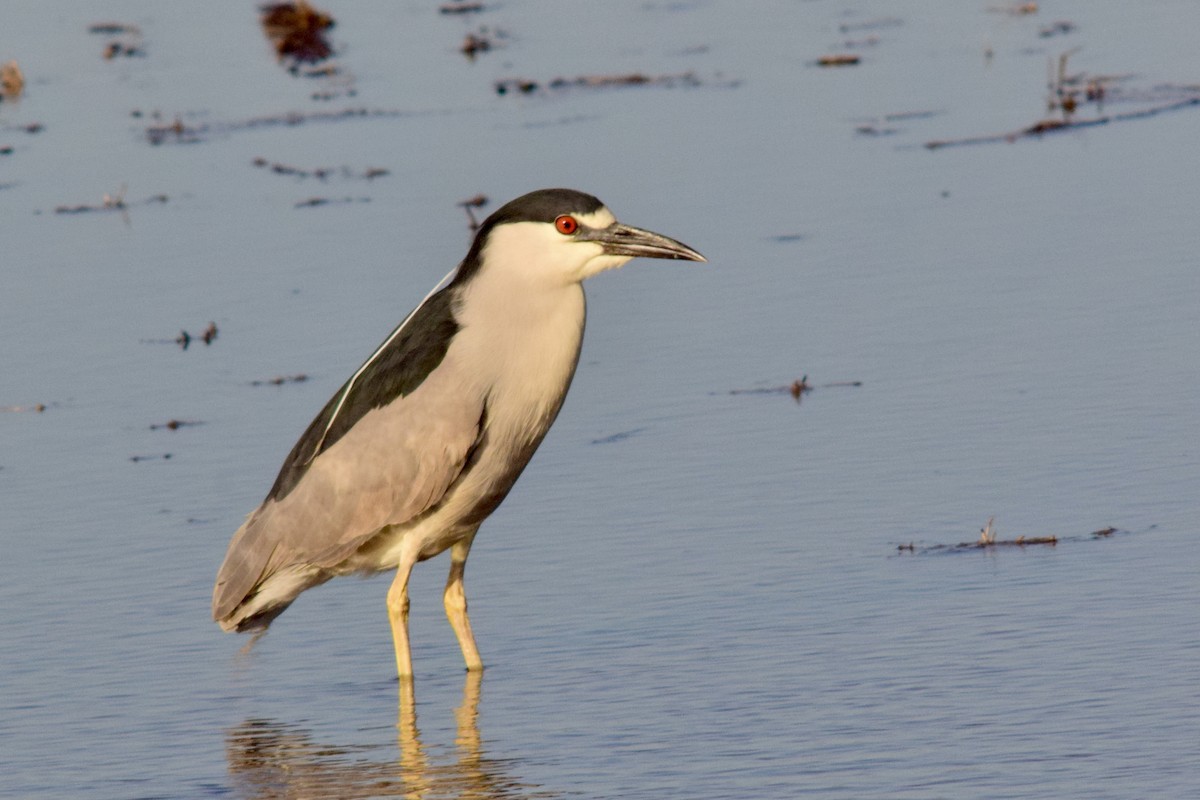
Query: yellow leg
397,605
455,600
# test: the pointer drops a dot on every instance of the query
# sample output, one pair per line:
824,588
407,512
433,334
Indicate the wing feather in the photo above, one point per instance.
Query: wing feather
393,465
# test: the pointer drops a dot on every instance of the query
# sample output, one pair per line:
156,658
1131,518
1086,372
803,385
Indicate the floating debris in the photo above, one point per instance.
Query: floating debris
1042,127
871,130
116,48
481,41
297,31
523,86
12,81
472,45
838,60
321,173
905,115
797,388
315,202
1020,541
471,203
208,336
516,84
109,28
988,540
1015,9
111,202
128,41
157,457
883,125
175,130
29,127
37,408
1062,95
871,24
280,380
460,7
174,425
861,44
185,339
210,333
1068,93
178,132
1058,28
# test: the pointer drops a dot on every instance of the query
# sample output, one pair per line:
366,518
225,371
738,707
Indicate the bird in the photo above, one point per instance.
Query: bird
427,437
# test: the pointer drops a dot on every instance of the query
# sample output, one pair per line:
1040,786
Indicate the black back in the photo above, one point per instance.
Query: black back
407,357
396,370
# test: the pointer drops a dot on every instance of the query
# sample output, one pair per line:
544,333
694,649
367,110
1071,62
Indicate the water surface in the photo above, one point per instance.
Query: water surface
691,592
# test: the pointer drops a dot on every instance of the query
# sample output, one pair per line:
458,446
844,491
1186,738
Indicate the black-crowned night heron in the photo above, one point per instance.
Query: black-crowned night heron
427,437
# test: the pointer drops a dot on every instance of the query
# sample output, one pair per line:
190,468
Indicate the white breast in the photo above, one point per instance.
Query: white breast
516,350
524,344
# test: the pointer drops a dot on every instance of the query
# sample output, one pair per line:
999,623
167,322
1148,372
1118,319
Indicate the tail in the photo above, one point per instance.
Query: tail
239,622
256,583
268,599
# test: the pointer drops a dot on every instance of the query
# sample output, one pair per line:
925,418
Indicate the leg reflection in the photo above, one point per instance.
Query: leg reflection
414,765
470,747
271,759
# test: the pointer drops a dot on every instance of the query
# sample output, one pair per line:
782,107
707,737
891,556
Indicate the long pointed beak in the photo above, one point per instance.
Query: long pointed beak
626,240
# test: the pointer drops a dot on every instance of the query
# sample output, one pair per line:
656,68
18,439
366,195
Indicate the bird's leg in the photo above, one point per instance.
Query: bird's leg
455,600
397,605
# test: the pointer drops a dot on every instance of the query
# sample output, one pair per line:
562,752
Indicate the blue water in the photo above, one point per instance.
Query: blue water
696,590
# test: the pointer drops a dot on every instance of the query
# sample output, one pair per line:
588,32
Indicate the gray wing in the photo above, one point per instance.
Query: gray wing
395,463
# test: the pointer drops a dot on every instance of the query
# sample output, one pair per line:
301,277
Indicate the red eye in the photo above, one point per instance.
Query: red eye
566,224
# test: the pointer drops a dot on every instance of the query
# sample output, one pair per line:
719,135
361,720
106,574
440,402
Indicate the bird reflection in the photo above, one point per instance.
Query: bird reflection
270,759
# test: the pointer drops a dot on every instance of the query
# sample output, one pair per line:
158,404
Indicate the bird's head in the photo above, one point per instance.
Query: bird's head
562,236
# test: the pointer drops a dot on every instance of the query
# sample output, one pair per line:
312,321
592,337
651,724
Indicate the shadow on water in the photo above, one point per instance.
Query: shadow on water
272,759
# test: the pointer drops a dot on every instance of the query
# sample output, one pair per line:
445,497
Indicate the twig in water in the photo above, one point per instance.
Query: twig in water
797,388
478,201
280,380
36,407
174,425
987,534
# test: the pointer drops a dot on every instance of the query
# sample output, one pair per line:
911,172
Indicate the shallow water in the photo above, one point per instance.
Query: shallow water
691,592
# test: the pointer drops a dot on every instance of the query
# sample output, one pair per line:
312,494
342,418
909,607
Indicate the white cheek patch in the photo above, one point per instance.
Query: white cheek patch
536,252
599,261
